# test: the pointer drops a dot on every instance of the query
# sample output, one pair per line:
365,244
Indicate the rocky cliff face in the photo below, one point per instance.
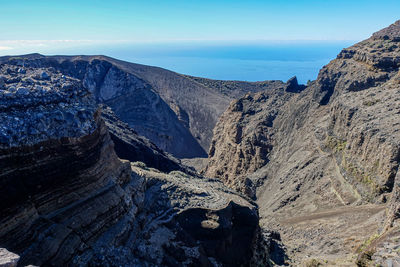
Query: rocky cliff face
243,138
330,153
129,145
59,174
131,98
176,112
364,83
67,199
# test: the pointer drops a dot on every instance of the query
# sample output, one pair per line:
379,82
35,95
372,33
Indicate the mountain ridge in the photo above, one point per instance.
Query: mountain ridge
170,124
68,200
329,166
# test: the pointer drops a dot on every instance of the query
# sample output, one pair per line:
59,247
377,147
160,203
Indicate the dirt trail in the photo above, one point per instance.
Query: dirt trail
329,221
330,237
371,208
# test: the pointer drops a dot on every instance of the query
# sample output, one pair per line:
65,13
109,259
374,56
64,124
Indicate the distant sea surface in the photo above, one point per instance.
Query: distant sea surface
247,62
253,62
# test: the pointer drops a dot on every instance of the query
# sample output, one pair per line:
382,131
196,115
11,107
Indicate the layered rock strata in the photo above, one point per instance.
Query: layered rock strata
66,199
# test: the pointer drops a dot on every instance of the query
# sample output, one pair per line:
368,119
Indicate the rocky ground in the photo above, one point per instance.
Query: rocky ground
38,104
316,166
67,199
243,137
327,179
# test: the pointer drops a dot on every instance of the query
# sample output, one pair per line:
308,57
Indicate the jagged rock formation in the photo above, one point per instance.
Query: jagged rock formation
176,112
243,138
331,153
52,107
367,64
293,86
67,199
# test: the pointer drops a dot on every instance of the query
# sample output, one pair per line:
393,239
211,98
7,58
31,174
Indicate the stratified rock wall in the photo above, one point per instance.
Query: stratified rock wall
66,199
364,104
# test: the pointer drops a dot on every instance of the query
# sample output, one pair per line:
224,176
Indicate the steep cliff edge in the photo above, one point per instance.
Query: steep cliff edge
131,146
60,178
66,199
331,167
174,111
243,137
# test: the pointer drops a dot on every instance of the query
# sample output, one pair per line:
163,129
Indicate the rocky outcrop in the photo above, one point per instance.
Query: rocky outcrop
243,138
363,111
61,184
134,100
174,111
66,199
293,86
367,64
195,220
8,259
333,149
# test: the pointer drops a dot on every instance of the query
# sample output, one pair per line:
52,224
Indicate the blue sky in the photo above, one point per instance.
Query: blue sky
68,23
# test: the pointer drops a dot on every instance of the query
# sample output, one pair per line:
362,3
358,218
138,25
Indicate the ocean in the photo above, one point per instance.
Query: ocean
225,61
247,62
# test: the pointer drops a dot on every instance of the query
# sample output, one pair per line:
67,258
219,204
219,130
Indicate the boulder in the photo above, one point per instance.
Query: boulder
44,76
8,259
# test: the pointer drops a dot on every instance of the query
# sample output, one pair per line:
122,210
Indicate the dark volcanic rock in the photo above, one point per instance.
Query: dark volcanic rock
176,112
390,33
66,199
195,220
133,147
37,111
293,86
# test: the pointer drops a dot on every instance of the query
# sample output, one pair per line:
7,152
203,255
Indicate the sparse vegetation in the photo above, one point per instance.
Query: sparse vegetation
363,177
368,242
365,258
371,102
366,252
313,263
179,174
335,143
